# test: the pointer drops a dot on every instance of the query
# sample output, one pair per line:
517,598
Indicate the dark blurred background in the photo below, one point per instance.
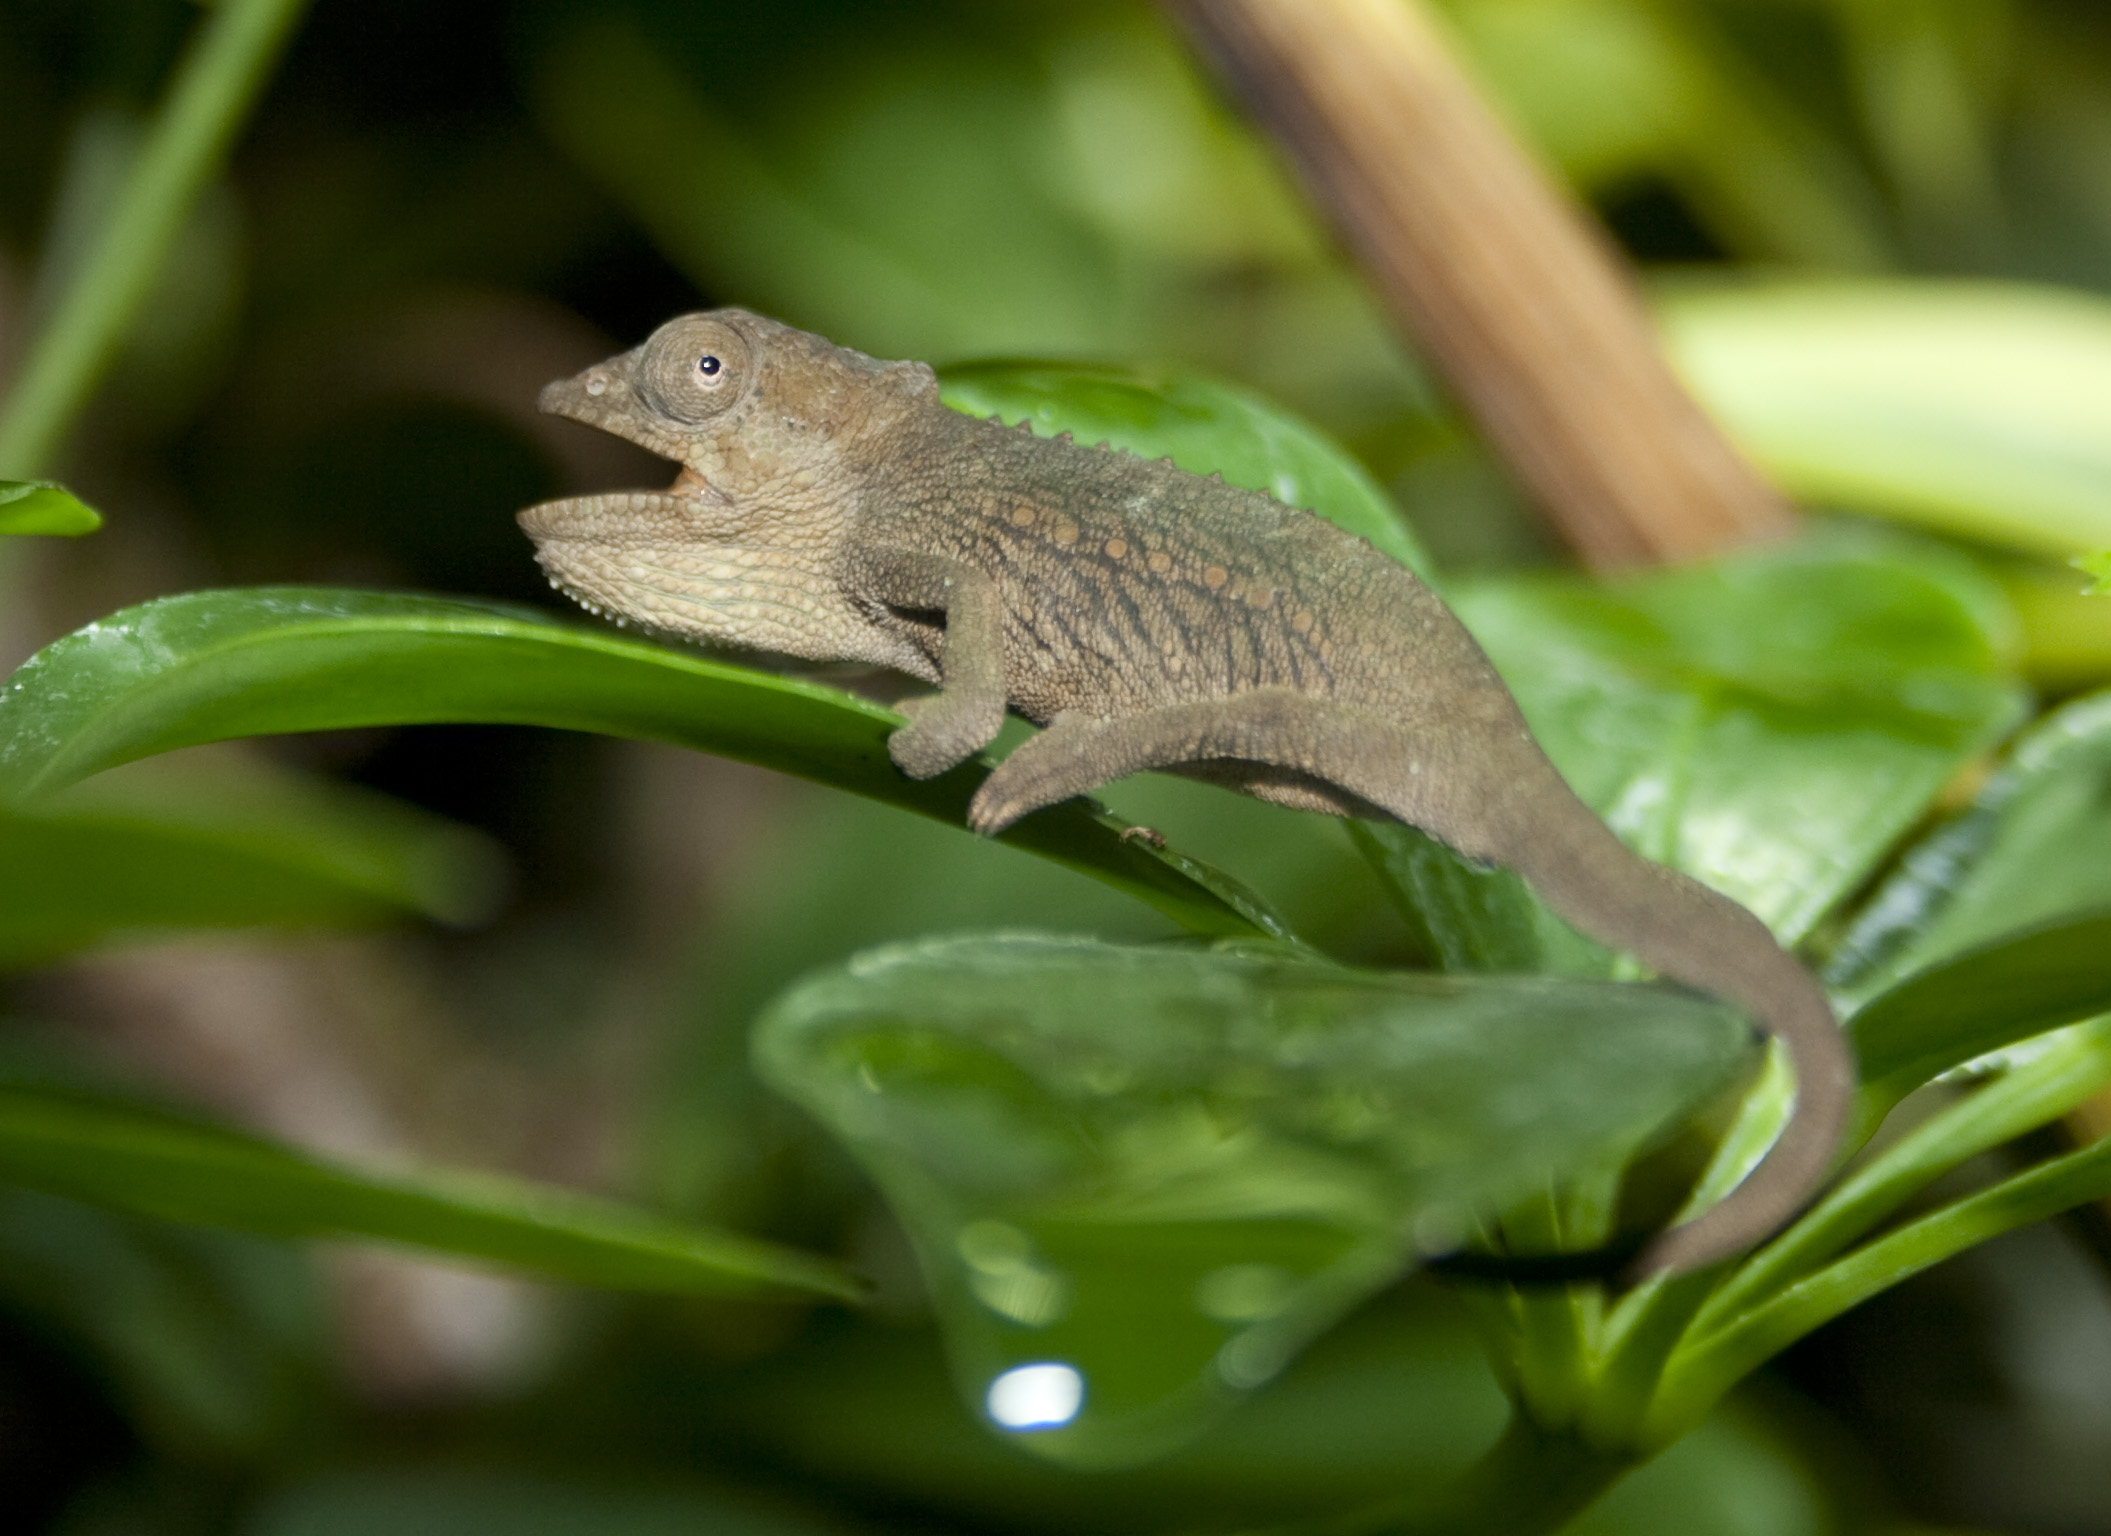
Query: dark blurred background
438,207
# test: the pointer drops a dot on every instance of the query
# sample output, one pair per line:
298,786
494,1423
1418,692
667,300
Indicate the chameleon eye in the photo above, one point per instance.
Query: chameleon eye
694,368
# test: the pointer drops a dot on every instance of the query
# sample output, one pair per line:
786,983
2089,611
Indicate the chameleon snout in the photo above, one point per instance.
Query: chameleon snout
588,397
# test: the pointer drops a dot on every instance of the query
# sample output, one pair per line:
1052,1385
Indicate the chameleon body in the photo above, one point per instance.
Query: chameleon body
829,507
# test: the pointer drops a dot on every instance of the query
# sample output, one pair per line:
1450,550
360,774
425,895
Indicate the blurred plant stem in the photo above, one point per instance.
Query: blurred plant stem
74,339
1528,1483
1508,288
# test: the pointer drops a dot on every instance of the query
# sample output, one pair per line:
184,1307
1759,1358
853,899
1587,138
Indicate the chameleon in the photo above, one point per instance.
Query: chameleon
829,507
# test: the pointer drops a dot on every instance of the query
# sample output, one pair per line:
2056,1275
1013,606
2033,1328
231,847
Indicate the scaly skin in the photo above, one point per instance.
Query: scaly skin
829,507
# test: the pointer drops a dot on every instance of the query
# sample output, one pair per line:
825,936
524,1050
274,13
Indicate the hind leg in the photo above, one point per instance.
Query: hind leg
1324,740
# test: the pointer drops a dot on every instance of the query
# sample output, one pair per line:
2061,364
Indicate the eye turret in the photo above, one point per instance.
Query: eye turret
694,368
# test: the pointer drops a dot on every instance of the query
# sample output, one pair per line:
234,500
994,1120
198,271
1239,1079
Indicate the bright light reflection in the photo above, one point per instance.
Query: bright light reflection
1036,1396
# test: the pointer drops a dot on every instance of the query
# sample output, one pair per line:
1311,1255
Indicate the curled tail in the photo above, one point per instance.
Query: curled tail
1695,935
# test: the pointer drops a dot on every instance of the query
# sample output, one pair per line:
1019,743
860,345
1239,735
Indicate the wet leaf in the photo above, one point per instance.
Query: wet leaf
1141,1178
1203,426
126,1157
207,666
39,506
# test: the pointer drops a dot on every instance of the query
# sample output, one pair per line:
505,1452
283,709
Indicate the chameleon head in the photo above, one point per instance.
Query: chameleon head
739,549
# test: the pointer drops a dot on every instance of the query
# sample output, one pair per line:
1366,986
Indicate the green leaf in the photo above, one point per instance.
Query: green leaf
128,1158
2099,566
138,855
98,287
207,666
2033,847
1399,1397
1702,1372
1772,723
1980,1001
1203,426
1151,1174
39,506
2057,1073
873,194
1978,408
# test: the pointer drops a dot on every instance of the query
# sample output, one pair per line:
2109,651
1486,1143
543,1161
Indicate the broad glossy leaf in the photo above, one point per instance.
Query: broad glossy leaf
39,506
207,666
2033,848
129,1158
1141,1178
1978,408
137,855
1772,723
1203,426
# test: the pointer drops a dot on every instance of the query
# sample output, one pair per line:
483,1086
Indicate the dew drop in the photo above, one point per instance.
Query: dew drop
1046,1395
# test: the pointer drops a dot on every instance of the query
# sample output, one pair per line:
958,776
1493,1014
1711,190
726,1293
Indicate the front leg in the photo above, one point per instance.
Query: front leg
951,725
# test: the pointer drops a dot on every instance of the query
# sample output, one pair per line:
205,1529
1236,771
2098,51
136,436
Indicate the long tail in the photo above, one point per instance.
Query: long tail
1692,934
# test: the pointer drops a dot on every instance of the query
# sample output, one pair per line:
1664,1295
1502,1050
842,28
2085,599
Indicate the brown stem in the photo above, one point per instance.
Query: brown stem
1505,285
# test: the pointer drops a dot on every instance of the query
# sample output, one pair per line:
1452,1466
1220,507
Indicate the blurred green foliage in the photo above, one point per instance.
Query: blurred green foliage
1855,210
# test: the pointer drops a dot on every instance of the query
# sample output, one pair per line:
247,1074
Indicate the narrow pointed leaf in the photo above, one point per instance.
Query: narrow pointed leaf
38,506
139,854
1702,1372
146,1162
2034,847
1986,998
207,666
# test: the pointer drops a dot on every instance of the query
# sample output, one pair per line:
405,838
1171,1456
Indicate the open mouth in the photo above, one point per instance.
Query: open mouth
616,516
